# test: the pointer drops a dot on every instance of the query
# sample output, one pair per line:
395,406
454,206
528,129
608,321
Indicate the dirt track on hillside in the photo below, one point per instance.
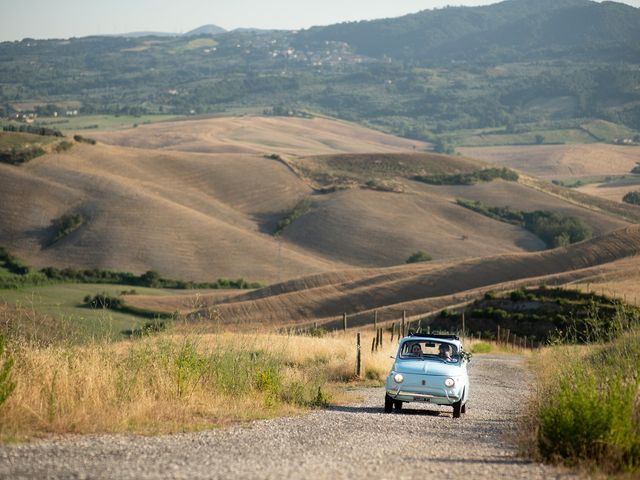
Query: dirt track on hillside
356,441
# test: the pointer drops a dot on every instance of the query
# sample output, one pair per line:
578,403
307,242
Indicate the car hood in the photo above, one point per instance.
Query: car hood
427,367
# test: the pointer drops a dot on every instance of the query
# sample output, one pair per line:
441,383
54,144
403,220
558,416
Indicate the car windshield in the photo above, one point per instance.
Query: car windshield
430,350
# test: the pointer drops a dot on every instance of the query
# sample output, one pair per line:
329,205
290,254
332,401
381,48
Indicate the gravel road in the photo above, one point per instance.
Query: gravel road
356,441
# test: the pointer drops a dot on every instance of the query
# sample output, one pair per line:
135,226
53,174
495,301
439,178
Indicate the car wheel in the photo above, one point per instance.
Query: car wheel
463,409
388,403
398,405
457,408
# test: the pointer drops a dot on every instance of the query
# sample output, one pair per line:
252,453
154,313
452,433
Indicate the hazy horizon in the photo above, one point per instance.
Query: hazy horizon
77,18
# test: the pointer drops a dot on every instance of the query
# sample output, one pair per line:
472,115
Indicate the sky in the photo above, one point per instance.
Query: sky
77,18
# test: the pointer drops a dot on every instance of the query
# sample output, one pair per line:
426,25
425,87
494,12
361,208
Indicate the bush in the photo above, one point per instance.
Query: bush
18,156
81,139
555,229
594,417
632,198
299,210
419,256
485,175
66,224
481,347
7,386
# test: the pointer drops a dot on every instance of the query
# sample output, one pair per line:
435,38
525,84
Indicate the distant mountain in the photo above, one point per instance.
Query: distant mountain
515,25
205,30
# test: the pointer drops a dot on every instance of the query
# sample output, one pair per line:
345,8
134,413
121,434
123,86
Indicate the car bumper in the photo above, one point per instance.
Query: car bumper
438,398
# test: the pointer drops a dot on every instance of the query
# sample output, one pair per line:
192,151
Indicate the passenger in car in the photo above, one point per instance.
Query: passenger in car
444,352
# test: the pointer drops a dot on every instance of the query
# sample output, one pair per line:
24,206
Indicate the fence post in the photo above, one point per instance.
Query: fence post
373,345
358,357
498,337
506,340
463,329
344,321
315,325
377,339
381,335
393,330
404,319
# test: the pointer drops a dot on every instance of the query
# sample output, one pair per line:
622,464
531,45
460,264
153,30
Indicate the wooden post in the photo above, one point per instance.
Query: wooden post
375,320
404,319
498,337
381,335
377,339
373,345
315,325
358,357
344,321
525,342
506,339
393,330
463,329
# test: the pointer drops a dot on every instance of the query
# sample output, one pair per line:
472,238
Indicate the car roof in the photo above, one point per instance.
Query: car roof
451,339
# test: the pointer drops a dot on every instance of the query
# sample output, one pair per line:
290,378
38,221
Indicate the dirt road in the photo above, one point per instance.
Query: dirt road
357,441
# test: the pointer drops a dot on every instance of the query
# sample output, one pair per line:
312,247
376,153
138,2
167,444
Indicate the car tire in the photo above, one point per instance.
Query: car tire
397,404
388,403
463,408
457,409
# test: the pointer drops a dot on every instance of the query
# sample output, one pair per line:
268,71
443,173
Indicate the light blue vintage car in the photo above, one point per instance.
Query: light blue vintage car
430,369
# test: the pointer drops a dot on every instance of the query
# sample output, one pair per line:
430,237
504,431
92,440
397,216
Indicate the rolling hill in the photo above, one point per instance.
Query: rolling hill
202,199
420,289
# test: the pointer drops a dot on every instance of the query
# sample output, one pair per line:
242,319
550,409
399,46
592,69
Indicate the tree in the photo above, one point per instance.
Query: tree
632,198
151,278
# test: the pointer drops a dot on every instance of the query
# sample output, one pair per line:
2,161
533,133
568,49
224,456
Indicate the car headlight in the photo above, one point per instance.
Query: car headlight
449,382
398,378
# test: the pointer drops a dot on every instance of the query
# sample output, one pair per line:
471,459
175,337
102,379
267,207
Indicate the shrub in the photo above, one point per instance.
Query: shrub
481,347
18,156
419,256
632,198
490,295
63,146
485,175
594,417
7,386
372,374
299,210
66,224
81,139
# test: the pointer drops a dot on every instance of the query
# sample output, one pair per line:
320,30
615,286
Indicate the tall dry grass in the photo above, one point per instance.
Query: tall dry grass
176,381
585,410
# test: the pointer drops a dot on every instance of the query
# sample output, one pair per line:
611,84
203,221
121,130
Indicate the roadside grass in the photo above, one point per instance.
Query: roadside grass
177,381
593,418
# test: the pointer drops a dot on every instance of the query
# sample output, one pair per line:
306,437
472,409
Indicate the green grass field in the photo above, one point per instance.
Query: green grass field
563,136
96,122
64,302
607,131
